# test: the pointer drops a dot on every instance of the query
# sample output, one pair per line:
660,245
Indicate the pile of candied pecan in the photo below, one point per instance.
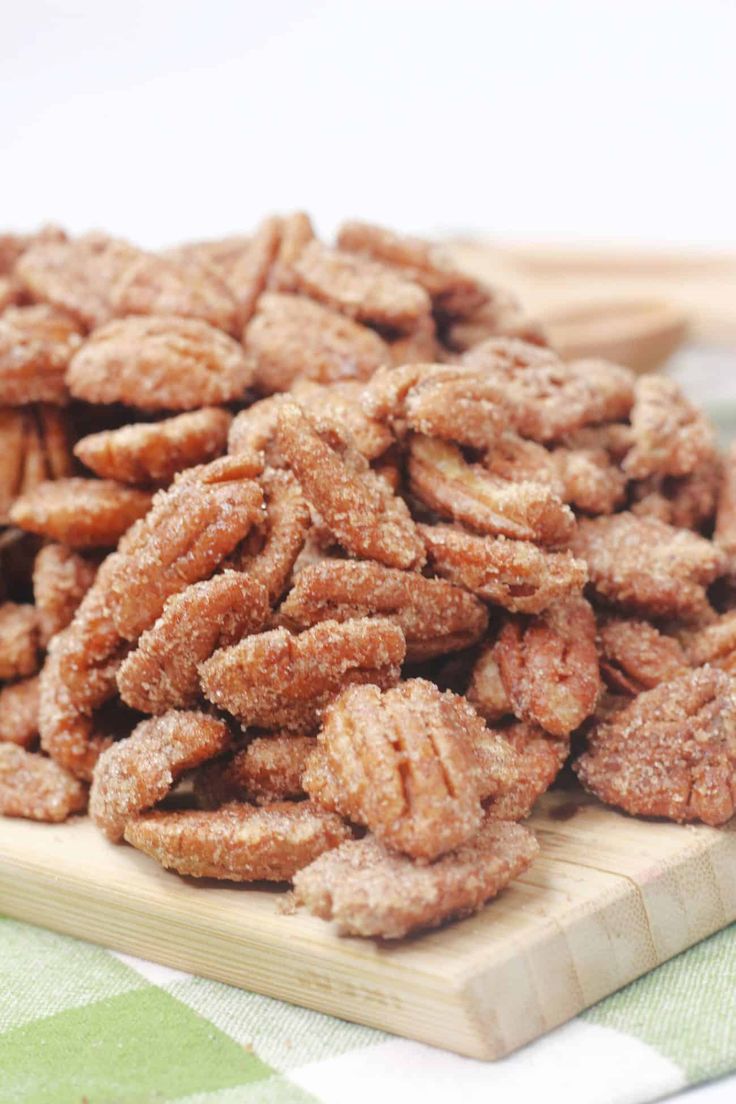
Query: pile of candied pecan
318,566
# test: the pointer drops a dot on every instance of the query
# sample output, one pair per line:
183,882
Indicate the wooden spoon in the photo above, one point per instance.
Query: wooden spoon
635,332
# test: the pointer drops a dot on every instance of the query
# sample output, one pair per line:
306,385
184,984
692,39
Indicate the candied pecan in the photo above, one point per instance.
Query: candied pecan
486,691
154,452
455,294
371,891
18,641
19,712
725,528
418,345
435,616
82,513
189,530
671,437
360,288
68,734
269,552
517,460
36,344
269,769
341,403
502,316
220,253
438,400
11,292
540,758
514,574
636,656
88,652
276,680
247,272
645,566
355,503
443,480
615,438
404,763
161,672
295,232
186,287
547,398
591,482
61,578
159,363
139,771
37,788
77,276
549,665
715,644
35,447
254,430
671,752
291,338
688,502
239,843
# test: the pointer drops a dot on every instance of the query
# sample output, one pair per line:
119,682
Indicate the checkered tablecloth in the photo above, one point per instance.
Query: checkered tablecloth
82,1024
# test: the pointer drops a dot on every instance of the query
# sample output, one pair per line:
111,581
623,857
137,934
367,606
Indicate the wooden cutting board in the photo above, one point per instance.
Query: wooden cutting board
609,898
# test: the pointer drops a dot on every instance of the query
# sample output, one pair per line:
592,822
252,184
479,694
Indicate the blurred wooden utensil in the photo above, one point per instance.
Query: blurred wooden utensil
635,307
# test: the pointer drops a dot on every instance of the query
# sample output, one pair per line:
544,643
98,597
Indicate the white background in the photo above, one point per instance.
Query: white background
528,119
532,119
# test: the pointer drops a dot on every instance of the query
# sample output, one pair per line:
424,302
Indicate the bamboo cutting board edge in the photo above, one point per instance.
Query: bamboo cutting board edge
609,898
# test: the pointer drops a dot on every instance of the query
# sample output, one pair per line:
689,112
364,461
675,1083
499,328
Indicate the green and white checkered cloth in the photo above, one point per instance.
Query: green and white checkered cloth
82,1025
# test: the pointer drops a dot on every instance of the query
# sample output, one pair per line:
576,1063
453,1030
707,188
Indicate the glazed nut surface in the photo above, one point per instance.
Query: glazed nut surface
239,843
403,763
268,769
139,771
369,890
277,680
37,788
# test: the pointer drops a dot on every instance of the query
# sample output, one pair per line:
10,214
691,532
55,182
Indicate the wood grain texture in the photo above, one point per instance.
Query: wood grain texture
609,898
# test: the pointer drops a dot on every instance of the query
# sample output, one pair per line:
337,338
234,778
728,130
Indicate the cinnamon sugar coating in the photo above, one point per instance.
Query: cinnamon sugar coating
161,362
445,482
404,763
77,276
715,644
36,344
185,287
371,891
671,752
189,530
139,771
549,666
448,401
725,527
671,437
454,293
80,513
342,403
34,447
19,642
277,680
268,769
19,712
161,672
269,552
239,843
435,616
539,759
36,788
61,578
291,338
514,574
547,398
356,504
153,452
643,566
360,288
636,656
